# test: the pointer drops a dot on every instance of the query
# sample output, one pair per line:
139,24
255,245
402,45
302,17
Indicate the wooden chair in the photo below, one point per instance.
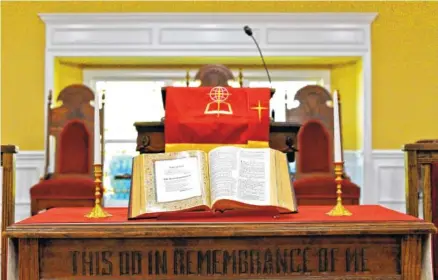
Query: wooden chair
212,75
72,126
422,177
315,179
314,103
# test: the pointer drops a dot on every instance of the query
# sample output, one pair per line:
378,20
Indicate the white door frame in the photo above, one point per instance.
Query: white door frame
220,34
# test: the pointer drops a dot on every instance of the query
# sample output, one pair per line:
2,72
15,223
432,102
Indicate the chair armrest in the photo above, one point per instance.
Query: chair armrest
47,176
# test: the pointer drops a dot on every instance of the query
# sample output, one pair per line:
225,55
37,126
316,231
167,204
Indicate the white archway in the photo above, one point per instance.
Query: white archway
220,34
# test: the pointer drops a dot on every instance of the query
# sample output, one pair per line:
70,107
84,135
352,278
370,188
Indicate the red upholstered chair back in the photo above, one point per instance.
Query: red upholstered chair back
72,126
314,111
73,153
315,156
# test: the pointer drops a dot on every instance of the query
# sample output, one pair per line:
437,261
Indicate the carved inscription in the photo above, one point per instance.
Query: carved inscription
219,262
171,259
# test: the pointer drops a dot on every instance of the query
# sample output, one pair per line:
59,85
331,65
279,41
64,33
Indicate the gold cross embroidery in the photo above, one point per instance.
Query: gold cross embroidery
259,108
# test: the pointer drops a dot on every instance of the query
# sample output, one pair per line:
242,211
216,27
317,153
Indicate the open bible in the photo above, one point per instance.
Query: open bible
226,178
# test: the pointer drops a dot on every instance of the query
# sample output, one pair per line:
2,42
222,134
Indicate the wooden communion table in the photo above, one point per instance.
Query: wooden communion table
374,243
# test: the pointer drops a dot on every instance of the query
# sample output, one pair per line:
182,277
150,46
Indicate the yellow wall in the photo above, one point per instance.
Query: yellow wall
404,61
65,75
344,79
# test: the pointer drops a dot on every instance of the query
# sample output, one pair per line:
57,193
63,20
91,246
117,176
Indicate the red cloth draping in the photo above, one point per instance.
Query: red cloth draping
307,214
216,115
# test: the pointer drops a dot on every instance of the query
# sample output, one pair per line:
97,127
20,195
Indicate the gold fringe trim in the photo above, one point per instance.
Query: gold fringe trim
181,147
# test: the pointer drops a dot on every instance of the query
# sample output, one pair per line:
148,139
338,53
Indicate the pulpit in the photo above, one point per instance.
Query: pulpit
150,137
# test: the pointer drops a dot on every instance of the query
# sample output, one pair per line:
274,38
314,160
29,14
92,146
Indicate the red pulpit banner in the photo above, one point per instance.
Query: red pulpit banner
206,117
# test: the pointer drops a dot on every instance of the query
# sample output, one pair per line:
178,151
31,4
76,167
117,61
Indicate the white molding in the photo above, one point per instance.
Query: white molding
221,35
388,154
90,75
207,18
321,75
366,120
203,34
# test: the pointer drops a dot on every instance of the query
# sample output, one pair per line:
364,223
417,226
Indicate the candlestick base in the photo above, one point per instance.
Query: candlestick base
339,209
97,211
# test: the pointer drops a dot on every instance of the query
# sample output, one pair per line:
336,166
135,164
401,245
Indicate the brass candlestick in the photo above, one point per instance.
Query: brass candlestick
98,211
339,209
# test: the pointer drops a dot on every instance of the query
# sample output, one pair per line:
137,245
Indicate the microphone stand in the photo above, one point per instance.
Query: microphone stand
248,31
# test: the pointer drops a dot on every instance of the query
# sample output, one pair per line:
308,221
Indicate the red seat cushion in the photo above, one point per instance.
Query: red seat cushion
324,187
64,188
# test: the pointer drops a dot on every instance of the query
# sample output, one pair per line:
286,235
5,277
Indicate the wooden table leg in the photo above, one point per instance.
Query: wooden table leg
28,259
411,257
412,184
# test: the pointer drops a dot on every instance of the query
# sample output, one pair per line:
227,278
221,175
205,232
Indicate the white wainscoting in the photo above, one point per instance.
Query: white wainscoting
389,177
30,168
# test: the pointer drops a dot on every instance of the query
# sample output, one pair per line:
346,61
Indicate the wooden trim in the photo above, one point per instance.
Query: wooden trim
8,201
421,146
427,193
9,149
412,183
180,230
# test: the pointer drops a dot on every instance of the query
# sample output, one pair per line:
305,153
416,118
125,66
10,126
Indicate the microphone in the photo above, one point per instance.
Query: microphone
248,31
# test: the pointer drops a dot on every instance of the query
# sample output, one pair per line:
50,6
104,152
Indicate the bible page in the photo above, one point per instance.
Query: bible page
169,182
177,179
253,185
223,173
240,174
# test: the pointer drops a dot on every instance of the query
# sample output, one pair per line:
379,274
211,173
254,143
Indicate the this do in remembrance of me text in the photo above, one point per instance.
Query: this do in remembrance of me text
177,179
240,174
